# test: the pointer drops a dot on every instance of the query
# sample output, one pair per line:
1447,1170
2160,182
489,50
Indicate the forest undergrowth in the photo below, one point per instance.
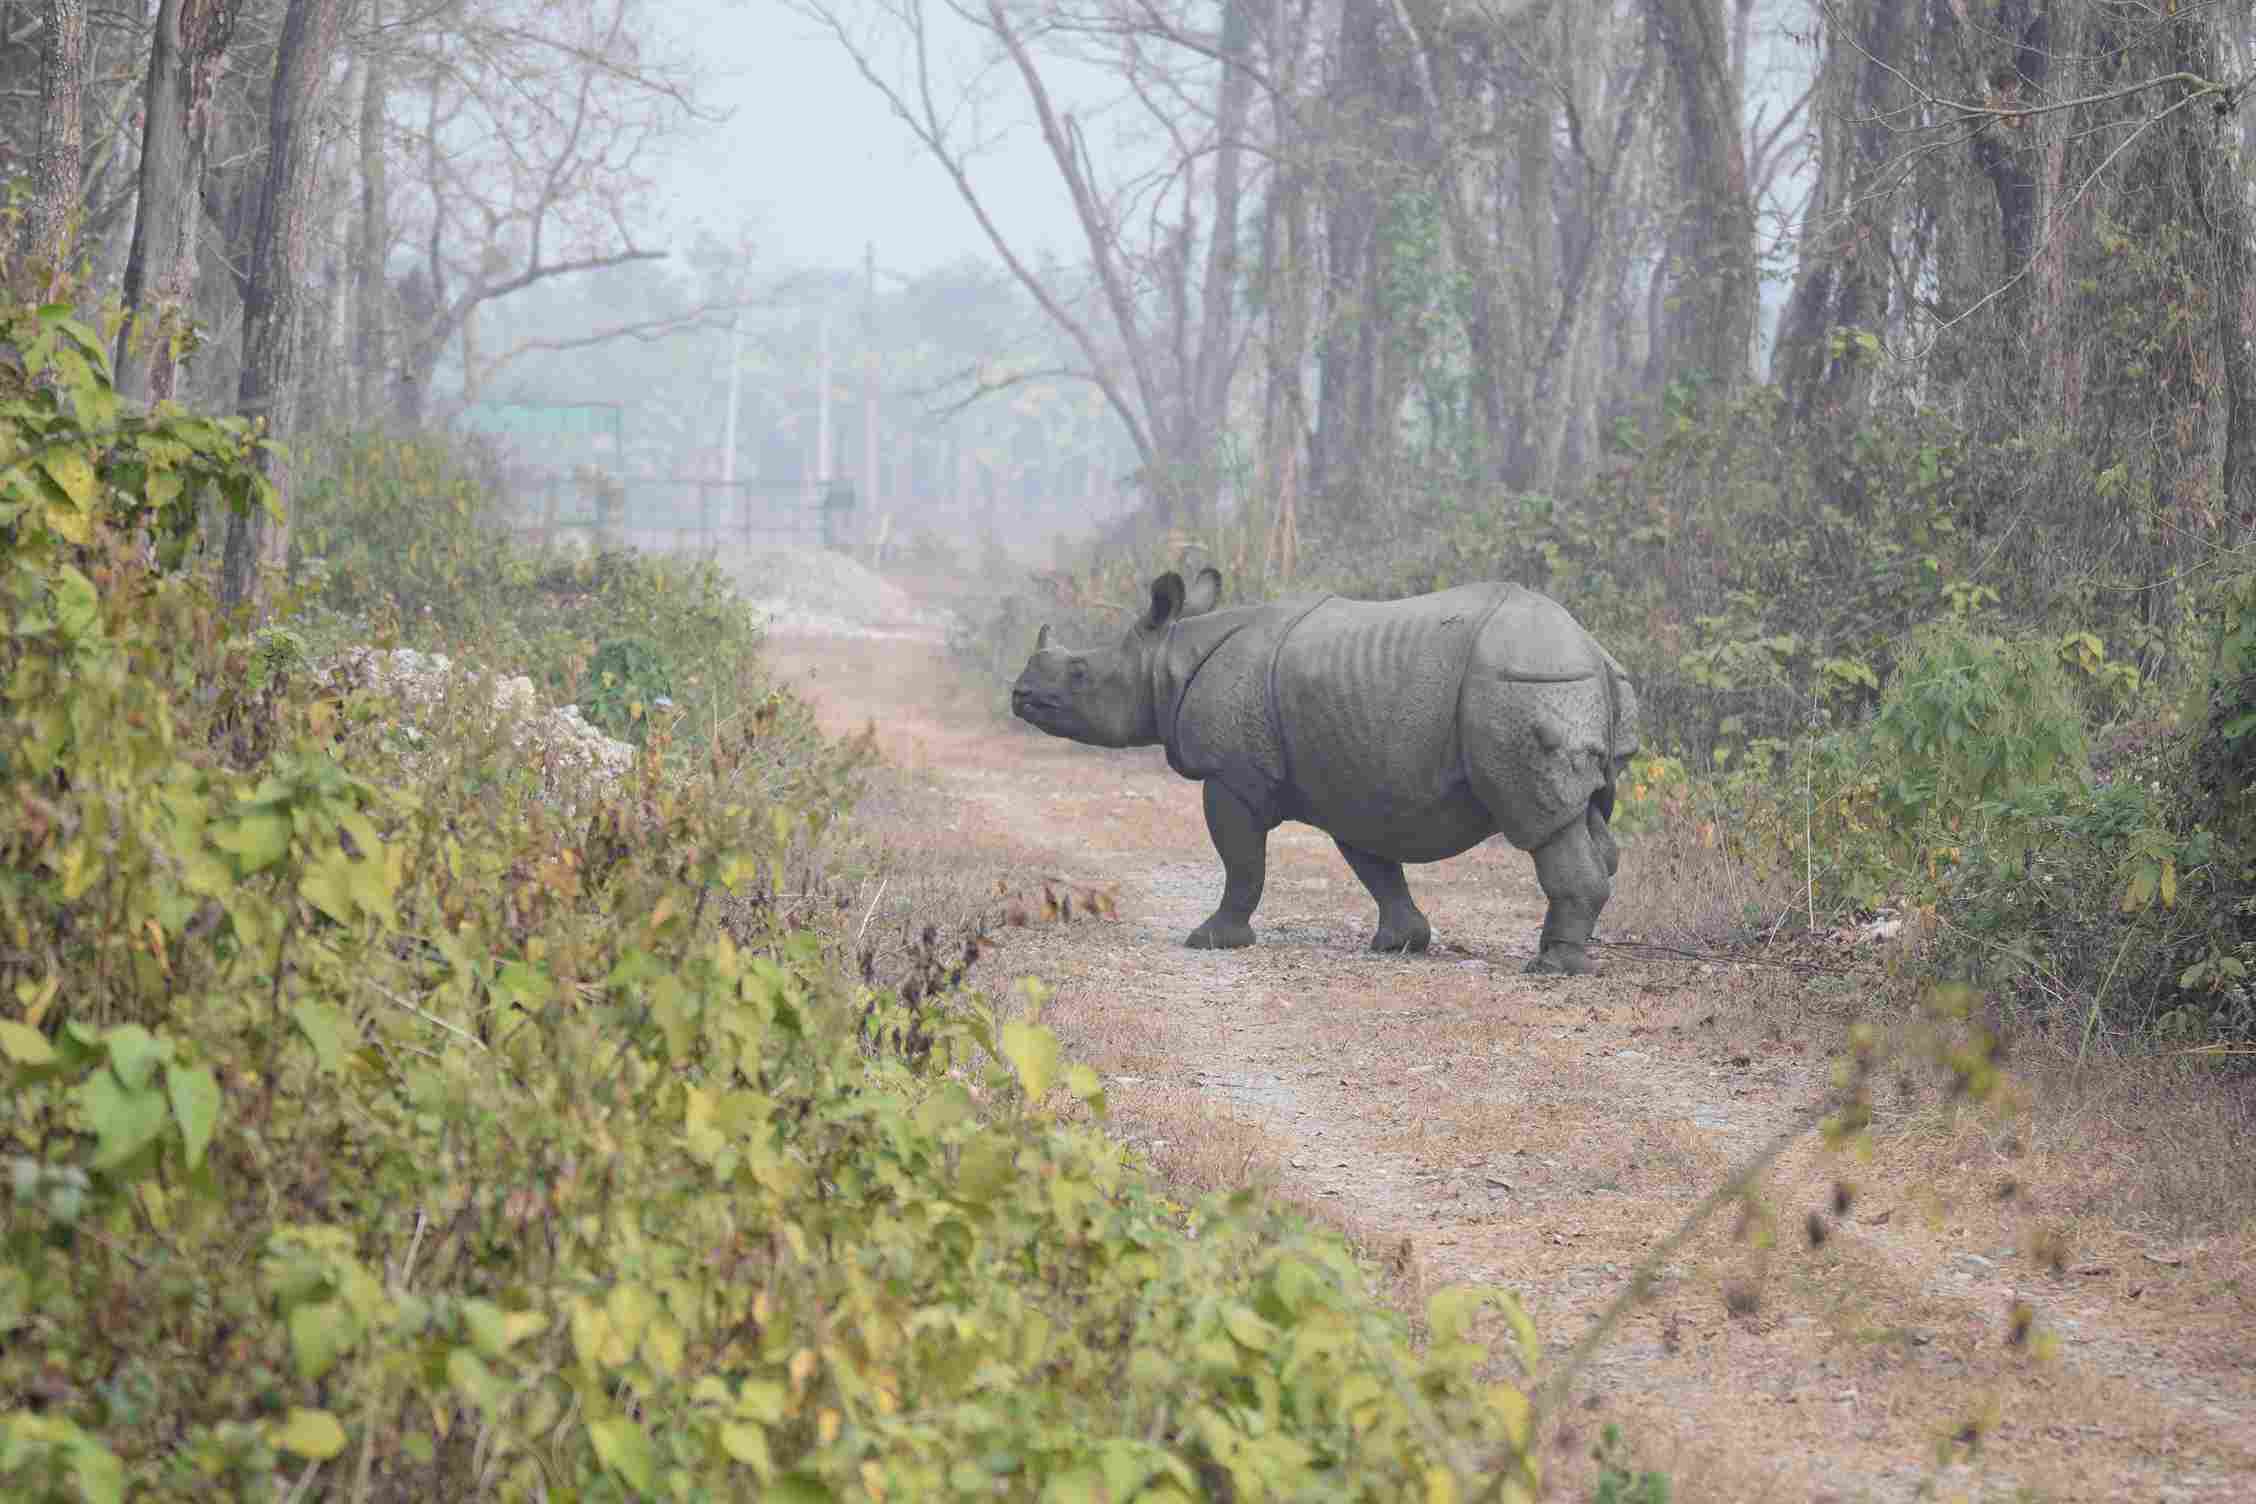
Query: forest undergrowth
1853,712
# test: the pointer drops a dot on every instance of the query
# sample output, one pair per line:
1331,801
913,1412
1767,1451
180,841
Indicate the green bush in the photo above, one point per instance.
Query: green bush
418,1135
402,532
628,682
1967,721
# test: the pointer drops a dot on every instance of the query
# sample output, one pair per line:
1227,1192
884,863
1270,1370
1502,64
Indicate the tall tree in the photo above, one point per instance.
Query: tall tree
60,163
1711,267
303,61
188,45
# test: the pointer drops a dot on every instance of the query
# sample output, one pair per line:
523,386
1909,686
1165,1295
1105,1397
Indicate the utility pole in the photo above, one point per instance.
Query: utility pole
822,411
869,375
736,374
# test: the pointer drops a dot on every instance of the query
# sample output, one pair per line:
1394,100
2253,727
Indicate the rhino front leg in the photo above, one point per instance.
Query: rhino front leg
1576,875
1241,838
1401,926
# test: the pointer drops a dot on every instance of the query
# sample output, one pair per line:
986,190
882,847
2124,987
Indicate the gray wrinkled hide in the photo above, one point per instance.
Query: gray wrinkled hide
1408,731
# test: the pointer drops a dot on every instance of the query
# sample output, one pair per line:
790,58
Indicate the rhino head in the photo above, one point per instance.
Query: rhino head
1104,696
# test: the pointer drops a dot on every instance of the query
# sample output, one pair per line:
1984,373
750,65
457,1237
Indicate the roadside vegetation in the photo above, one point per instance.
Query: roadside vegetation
385,1121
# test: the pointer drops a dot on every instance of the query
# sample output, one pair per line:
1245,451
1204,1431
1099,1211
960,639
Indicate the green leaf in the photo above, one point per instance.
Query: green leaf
124,1122
195,1106
626,1449
256,841
328,886
1248,1329
494,1331
97,1471
24,1045
1033,1052
327,1031
985,1166
470,1376
311,1433
321,1331
76,603
1086,1086
748,1444
135,1054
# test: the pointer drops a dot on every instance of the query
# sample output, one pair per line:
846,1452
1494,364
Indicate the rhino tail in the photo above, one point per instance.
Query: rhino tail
1603,800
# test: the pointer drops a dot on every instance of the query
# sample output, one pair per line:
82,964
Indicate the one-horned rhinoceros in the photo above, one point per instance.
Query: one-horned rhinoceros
1407,730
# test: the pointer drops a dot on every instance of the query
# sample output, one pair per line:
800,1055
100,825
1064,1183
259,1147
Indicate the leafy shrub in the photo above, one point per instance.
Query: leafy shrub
1968,720
424,1137
403,530
627,683
1617,1484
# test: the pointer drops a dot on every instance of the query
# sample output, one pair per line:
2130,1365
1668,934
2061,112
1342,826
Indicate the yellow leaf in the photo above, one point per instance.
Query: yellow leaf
748,1444
24,1045
1033,1052
2170,883
72,473
663,1347
1249,1329
1517,1414
69,524
311,1433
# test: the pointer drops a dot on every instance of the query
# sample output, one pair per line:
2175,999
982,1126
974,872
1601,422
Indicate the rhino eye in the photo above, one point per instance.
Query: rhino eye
1078,673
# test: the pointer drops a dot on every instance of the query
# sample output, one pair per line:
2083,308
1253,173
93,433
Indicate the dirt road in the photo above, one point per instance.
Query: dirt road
1466,1122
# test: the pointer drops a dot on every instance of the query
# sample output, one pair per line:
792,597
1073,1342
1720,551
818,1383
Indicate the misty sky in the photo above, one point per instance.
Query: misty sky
816,164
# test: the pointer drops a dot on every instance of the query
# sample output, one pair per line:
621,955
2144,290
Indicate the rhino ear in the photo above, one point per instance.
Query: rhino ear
1204,592
1166,600
1042,638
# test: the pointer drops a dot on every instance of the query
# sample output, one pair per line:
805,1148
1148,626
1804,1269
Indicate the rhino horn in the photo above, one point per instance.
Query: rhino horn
1042,638
1166,600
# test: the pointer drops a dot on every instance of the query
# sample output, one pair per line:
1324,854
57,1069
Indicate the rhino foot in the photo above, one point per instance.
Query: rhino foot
1563,960
1219,933
1411,935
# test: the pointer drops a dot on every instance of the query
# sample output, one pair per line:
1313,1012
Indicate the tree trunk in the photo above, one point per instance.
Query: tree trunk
278,265
1842,281
372,237
60,164
1343,455
1215,359
1713,277
1539,434
160,270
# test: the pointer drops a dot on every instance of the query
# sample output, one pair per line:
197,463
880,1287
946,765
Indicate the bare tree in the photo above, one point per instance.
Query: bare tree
513,142
1165,333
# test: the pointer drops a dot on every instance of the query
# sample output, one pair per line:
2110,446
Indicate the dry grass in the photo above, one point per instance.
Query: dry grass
1681,885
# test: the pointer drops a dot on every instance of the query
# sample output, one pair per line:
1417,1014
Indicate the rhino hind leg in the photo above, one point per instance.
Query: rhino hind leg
1241,839
1575,869
1401,926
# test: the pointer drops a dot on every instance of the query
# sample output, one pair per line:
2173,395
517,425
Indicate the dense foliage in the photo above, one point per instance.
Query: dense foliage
375,1128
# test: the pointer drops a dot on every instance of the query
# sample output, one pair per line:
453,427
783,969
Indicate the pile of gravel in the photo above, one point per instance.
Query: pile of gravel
576,759
818,590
